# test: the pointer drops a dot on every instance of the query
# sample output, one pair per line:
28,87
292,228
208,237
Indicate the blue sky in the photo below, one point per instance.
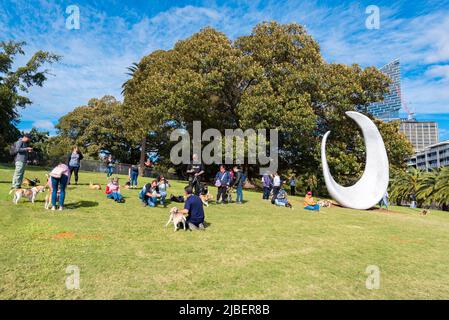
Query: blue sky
114,34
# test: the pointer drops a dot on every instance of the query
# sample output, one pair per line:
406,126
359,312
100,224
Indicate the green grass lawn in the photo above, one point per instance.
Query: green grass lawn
249,251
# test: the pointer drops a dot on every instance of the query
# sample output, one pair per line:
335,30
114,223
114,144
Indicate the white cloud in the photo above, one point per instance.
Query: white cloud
438,71
96,56
43,124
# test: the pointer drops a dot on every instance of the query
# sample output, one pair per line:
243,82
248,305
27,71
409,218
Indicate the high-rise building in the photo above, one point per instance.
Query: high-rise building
420,133
431,157
389,108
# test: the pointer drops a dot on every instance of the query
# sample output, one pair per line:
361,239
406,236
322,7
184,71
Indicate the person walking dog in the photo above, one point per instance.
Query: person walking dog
20,150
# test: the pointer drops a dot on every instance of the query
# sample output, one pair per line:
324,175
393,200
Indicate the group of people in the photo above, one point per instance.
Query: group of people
274,187
155,192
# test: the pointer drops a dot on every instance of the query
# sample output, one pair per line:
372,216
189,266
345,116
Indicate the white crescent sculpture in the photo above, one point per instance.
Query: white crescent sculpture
373,184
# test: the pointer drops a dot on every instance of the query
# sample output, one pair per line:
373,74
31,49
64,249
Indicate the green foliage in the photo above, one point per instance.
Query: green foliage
430,188
14,84
99,126
274,78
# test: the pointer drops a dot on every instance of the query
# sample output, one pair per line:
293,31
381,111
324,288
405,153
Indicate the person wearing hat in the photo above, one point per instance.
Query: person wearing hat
20,150
309,203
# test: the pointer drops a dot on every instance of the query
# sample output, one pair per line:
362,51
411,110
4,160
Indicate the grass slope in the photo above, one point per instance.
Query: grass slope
250,251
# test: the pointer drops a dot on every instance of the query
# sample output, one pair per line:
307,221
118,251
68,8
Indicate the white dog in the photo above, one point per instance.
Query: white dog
176,217
29,193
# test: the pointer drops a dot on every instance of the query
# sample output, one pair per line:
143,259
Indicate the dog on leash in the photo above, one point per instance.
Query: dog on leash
27,193
94,186
325,203
205,196
176,217
31,183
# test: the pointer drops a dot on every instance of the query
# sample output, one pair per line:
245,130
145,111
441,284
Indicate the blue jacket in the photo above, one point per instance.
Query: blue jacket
225,178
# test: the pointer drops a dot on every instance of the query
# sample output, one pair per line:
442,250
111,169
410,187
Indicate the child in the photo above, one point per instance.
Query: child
110,166
163,186
113,191
133,174
281,199
310,204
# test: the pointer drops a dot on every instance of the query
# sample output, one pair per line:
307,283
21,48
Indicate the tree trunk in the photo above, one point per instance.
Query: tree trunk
143,152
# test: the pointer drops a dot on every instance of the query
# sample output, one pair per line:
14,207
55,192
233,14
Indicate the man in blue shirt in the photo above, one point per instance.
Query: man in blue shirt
193,207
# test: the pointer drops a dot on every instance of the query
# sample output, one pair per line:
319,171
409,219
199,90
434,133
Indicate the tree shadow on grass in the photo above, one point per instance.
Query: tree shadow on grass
81,204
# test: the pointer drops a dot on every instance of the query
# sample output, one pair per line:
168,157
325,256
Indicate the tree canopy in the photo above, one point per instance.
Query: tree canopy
14,84
274,78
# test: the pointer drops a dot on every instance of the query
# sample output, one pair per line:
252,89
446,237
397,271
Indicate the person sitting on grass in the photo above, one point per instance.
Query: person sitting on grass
282,199
309,203
113,191
163,186
150,194
193,207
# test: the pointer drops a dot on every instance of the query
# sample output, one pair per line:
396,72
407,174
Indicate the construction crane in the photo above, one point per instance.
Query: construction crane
410,114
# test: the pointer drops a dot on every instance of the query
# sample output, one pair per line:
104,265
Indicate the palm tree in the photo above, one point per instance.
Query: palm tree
131,70
404,184
441,194
426,187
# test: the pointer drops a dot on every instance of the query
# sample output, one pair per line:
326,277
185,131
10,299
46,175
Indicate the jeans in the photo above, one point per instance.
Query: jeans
280,202
116,196
275,193
134,176
60,183
266,193
151,201
74,170
163,196
110,171
18,174
239,191
384,201
315,207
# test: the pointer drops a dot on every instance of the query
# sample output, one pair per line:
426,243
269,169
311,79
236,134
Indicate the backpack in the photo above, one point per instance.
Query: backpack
243,178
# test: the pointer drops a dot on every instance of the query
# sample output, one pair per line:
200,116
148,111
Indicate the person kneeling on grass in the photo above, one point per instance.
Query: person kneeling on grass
113,191
193,207
310,204
150,194
281,199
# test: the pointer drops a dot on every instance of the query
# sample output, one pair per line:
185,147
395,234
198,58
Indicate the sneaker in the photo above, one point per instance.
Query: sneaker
144,204
53,208
192,226
201,227
61,208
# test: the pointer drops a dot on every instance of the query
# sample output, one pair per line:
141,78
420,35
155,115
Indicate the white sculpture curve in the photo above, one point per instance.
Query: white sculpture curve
373,184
